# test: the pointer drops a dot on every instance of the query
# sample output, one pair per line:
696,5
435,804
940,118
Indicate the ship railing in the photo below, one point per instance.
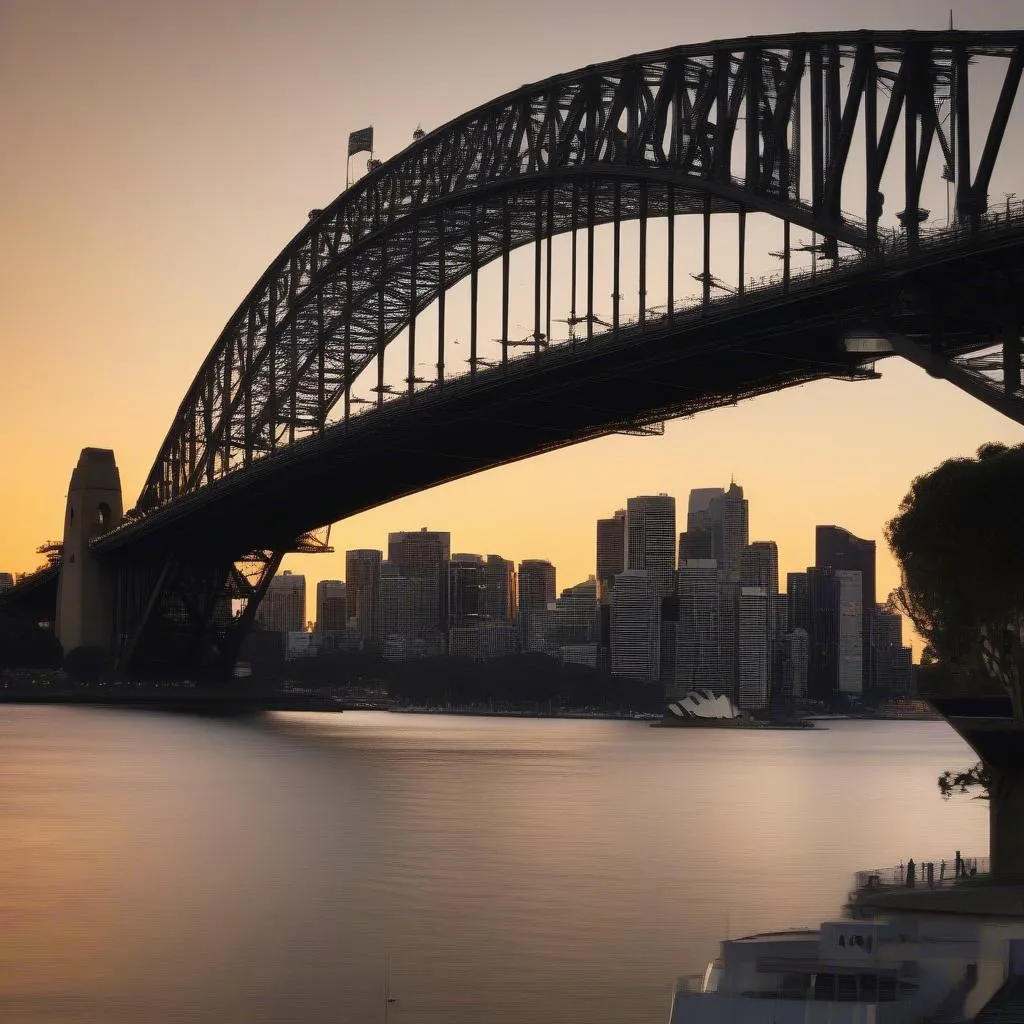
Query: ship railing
897,876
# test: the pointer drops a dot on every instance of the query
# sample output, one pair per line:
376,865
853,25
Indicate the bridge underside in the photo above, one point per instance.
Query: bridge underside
182,621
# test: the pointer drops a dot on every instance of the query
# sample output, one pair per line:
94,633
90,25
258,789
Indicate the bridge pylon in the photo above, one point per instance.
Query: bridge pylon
85,594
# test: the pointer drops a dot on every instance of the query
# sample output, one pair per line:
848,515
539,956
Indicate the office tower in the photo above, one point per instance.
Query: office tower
6,581
283,608
423,555
403,605
753,653
759,567
500,591
331,606
574,618
795,664
697,633
611,551
466,586
728,636
635,626
536,592
362,592
718,526
893,661
797,602
696,545
840,549
651,539
822,634
850,662
734,513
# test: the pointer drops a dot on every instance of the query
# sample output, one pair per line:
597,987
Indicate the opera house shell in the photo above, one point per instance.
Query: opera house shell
700,706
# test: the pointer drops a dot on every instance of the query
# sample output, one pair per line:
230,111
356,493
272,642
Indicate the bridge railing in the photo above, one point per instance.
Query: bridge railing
892,250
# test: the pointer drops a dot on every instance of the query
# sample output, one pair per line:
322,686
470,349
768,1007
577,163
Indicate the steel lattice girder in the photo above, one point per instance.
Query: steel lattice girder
467,192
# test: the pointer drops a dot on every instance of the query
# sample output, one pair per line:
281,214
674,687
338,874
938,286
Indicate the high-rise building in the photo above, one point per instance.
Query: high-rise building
611,551
501,595
574,619
718,526
635,626
331,606
797,602
423,555
697,632
893,663
283,608
840,549
753,652
822,634
733,510
651,539
728,636
405,604
759,567
6,581
795,664
362,592
850,677
466,590
536,593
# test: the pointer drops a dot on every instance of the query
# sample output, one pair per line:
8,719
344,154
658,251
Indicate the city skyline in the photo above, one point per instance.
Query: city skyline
146,182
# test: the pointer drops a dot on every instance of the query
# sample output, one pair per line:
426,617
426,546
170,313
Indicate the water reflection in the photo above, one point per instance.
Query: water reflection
168,868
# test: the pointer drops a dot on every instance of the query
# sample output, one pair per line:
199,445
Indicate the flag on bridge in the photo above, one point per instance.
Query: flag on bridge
361,141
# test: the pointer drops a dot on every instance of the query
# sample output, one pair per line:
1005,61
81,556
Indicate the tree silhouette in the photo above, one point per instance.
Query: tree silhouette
958,542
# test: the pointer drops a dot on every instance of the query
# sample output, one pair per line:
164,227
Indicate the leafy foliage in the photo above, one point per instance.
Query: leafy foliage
963,781
957,539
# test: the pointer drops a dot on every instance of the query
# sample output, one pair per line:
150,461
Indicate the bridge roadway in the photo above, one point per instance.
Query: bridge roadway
736,347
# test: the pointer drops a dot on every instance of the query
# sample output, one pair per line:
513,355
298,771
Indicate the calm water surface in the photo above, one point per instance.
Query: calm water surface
168,869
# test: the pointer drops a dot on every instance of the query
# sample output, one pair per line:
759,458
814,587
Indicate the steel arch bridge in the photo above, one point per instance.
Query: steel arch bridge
827,135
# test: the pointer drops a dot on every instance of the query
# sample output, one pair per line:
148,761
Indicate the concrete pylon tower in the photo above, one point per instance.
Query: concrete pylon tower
85,595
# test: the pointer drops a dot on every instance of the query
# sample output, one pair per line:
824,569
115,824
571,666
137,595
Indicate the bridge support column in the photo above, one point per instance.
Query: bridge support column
85,595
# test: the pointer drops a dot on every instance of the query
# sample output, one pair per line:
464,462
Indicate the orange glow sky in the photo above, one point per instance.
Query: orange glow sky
158,155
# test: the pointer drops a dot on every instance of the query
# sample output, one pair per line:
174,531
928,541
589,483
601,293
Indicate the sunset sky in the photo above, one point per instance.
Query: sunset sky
158,155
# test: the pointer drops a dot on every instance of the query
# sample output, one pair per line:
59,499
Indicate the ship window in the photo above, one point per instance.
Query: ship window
793,986
846,988
886,989
825,986
869,988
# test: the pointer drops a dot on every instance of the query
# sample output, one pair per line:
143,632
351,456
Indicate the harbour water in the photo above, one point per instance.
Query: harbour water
168,868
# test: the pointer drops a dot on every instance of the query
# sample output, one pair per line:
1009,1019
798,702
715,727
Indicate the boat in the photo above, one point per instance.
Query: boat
905,955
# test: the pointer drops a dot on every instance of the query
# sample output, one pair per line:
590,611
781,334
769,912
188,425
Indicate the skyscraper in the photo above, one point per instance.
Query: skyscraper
795,670
651,539
733,511
717,526
635,626
536,592
331,606
850,667
822,634
466,586
6,581
892,660
840,549
611,551
405,605
798,602
362,591
759,567
697,632
283,608
753,654
423,555
501,595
